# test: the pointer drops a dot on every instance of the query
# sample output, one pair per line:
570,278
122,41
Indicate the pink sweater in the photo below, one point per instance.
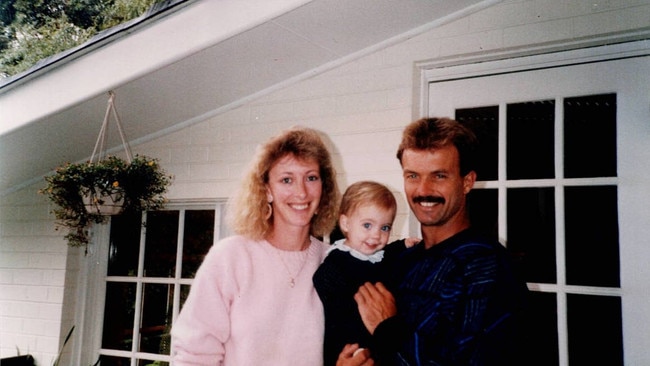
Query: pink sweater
242,311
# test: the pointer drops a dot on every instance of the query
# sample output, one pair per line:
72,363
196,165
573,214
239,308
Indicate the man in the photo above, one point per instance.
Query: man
457,298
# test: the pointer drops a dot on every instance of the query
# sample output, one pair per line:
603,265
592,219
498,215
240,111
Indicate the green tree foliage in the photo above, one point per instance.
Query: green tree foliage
32,30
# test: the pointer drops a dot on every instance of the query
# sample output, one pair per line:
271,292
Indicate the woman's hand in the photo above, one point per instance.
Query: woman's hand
352,355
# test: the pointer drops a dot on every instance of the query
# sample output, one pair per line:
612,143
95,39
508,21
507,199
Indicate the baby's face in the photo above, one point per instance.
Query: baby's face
367,228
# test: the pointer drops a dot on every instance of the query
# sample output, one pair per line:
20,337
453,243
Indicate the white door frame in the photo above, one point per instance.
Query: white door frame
633,179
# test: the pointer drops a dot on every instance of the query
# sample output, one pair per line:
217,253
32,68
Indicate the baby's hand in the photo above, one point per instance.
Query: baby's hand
409,242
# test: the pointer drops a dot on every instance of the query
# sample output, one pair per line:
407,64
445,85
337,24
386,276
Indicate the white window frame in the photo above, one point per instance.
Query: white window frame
91,287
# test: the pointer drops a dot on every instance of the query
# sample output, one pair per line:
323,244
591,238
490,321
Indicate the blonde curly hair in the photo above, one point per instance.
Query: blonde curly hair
247,212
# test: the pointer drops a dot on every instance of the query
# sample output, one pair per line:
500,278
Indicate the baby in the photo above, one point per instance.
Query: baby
366,219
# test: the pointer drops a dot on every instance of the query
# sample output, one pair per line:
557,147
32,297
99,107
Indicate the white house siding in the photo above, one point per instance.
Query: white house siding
362,106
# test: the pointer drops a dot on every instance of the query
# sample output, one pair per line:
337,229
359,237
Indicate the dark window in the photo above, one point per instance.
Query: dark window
124,245
596,335
541,343
530,140
484,121
531,231
161,244
483,209
592,255
590,136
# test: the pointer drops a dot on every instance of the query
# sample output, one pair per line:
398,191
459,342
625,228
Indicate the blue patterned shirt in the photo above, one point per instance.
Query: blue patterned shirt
459,303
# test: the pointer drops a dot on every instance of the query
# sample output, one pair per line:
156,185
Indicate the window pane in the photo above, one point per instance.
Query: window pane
124,245
595,330
161,244
115,361
530,140
118,316
197,239
185,292
590,136
483,210
484,121
541,330
152,363
157,305
531,231
592,247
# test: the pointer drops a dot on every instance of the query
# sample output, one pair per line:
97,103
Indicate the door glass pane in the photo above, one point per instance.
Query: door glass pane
530,140
157,307
484,121
124,244
161,244
595,336
118,316
531,231
483,210
541,344
590,136
592,246
197,239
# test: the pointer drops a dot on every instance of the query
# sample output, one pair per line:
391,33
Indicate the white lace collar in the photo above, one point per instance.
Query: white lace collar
373,258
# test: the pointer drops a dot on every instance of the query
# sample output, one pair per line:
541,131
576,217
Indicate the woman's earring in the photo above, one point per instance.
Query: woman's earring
269,210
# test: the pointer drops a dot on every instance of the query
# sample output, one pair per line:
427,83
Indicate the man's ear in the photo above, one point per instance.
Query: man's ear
468,181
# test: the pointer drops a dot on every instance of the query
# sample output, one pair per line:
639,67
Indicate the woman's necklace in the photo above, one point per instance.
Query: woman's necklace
292,277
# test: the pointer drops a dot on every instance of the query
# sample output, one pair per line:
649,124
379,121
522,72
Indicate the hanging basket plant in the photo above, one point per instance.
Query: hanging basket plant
90,192
80,192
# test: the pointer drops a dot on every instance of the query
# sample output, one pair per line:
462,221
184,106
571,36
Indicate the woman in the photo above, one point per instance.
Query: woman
252,301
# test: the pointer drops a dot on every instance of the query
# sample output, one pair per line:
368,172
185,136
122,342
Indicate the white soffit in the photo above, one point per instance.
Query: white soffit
194,62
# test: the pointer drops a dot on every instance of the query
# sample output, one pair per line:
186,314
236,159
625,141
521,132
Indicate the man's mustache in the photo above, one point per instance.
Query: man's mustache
431,199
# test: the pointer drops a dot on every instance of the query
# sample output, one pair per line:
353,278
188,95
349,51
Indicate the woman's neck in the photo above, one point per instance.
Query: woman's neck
287,239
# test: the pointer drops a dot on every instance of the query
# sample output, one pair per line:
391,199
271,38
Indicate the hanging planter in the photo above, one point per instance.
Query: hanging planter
92,191
99,203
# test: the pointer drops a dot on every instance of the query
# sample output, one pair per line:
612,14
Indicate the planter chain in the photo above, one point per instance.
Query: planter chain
100,146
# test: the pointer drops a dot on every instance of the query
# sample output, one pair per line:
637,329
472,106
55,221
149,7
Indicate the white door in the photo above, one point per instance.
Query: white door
565,184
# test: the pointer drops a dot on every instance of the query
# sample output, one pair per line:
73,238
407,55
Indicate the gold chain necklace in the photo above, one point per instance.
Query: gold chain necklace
292,277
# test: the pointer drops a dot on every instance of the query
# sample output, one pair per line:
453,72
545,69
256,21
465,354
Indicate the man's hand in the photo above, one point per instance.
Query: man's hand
352,355
375,303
